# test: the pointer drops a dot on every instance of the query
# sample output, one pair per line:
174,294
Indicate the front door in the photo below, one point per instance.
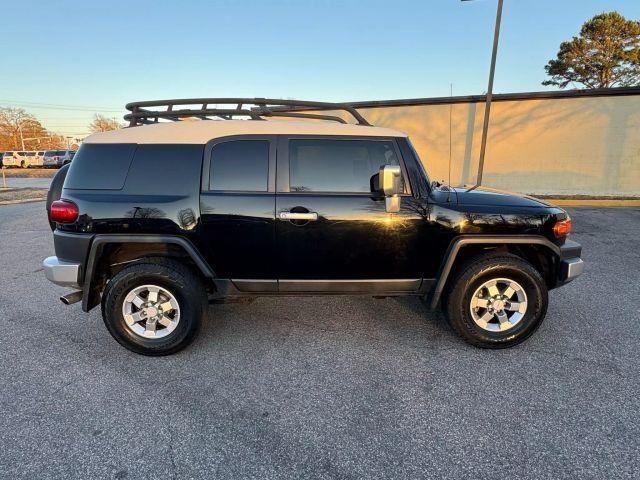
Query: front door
333,233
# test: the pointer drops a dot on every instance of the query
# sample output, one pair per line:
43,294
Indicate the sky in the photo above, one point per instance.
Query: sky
66,60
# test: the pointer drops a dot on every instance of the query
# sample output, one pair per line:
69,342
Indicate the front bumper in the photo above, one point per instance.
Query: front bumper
571,265
60,272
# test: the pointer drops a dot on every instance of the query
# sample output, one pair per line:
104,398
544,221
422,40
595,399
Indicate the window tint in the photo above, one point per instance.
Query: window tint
337,165
241,165
179,166
100,166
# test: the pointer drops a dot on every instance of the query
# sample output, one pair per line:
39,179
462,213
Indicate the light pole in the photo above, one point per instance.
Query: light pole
21,136
487,108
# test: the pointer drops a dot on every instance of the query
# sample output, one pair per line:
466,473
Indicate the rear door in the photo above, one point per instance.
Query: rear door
237,207
345,239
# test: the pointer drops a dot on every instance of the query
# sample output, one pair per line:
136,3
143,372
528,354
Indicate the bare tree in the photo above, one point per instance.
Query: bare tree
20,130
104,124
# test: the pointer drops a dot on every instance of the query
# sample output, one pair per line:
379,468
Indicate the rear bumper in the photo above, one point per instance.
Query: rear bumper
60,272
67,266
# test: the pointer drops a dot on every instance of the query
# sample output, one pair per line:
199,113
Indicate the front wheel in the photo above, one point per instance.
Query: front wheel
496,301
154,307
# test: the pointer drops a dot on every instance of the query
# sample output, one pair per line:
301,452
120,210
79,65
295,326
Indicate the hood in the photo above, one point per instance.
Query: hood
492,196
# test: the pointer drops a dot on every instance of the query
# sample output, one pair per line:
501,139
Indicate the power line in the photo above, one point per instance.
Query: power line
53,106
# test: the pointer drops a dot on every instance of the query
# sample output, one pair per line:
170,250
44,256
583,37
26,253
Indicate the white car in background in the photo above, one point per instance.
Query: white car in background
57,158
15,159
37,160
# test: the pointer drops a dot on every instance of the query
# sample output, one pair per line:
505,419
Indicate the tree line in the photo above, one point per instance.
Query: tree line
20,130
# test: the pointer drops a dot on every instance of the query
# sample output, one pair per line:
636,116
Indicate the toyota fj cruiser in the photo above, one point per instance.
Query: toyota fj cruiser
153,220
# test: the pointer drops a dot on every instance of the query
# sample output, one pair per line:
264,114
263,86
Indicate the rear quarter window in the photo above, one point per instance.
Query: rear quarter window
100,166
164,169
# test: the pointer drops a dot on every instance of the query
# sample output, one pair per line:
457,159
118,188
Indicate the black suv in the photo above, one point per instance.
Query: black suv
154,220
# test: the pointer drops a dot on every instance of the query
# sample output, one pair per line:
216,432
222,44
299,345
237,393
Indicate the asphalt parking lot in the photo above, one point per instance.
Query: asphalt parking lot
337,387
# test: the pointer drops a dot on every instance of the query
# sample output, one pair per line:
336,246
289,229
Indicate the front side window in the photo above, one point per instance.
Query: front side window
340,166
240,165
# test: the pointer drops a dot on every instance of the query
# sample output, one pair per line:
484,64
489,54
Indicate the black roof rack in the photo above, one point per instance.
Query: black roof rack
254,108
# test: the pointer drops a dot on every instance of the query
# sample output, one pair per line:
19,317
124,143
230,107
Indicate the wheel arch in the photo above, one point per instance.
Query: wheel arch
535,249
120,250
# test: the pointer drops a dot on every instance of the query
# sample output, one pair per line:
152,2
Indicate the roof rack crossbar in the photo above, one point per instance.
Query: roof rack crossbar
264,107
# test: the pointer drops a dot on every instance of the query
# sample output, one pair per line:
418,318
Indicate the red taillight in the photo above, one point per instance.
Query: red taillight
64,211
55,157
562,228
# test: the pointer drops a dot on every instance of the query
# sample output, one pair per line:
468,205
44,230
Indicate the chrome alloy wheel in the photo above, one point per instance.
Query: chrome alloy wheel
498,304
151,311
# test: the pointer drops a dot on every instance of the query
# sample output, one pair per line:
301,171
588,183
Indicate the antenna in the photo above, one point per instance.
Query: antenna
450,141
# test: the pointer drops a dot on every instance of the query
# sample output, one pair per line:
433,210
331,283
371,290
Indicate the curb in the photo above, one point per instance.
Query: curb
24,200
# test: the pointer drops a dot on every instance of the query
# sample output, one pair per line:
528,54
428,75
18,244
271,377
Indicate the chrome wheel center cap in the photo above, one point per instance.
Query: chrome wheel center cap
498,304
151,311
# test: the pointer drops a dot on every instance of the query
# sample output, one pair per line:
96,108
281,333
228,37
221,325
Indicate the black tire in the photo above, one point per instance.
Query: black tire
55,191
470,276
180,280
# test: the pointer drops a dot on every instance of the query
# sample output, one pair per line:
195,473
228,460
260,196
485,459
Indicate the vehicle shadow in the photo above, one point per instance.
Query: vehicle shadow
360,319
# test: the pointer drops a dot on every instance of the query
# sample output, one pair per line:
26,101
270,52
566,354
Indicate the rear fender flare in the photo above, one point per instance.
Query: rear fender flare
97,246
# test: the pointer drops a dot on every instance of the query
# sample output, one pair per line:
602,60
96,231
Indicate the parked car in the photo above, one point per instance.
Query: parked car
38,159
15,159
57,158
154,220
29,159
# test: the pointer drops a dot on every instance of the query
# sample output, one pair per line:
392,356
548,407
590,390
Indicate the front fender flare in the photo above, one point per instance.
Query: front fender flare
463,240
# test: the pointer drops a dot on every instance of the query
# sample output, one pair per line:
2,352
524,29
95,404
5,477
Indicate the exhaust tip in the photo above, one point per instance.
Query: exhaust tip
71,298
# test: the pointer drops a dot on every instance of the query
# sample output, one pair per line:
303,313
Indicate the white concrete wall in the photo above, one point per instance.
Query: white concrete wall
568,146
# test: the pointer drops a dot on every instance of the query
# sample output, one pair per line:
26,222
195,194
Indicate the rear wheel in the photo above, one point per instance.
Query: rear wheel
154,307
496,301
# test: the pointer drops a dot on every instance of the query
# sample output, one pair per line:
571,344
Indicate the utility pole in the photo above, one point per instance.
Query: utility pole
21,137
487,108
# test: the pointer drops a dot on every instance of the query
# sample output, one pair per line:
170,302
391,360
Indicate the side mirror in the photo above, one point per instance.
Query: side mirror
390,185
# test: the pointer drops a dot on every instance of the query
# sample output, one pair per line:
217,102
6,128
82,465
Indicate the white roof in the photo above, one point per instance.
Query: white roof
201,131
